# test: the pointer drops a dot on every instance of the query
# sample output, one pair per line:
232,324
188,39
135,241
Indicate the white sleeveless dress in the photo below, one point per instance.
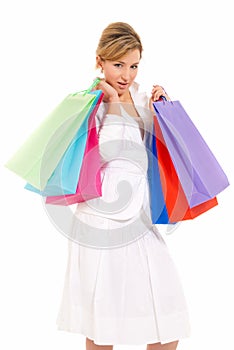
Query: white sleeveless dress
121,285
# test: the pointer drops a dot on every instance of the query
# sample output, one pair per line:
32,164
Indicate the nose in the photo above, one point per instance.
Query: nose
125,74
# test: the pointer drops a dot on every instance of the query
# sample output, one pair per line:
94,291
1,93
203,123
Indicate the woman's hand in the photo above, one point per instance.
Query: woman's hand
111,97
156,93
110,94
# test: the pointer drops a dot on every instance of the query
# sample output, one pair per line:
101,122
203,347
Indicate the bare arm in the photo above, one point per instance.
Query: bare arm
110,97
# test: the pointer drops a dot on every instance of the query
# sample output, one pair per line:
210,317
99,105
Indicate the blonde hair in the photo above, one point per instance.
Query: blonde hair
117,40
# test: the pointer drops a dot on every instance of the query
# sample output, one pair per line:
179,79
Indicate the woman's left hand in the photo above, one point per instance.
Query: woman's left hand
156,93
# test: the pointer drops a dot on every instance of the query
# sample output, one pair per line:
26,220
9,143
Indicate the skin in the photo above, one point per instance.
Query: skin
90,345
118,77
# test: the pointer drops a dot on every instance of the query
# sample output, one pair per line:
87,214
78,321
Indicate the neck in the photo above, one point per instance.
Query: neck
126,97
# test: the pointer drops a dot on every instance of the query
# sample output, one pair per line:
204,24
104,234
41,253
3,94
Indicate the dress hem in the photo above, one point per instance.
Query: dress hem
145,342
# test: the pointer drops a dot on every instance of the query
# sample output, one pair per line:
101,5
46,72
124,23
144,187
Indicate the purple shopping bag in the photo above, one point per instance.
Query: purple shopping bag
199,172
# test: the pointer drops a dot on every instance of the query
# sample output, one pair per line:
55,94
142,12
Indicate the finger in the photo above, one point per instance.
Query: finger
156,87
157,95
158,91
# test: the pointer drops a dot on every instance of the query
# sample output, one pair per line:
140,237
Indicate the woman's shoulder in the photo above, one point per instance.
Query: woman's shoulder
101,112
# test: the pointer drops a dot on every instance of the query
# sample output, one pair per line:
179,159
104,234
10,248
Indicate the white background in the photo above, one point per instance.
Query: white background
47,51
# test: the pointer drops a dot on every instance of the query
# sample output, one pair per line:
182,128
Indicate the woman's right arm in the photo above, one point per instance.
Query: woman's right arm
111,97
111,123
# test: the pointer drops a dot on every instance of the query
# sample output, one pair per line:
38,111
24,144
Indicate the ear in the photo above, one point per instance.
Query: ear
99,62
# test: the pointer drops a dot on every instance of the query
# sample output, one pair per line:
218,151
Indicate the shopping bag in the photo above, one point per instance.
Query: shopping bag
90,182
65,177
177,206
37,158
159,214
199,173
168,203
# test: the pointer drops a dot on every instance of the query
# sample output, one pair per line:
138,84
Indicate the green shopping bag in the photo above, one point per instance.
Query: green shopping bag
37,158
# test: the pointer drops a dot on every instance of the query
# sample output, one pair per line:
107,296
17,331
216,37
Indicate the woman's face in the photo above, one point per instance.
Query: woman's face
120,74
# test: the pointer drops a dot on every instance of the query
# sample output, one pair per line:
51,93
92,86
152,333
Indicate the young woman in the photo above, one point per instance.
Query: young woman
121,286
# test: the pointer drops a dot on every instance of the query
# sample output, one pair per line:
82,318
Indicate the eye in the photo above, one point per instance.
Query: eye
118,65
134,66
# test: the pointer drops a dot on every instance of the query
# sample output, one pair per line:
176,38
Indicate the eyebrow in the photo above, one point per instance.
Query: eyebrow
125,63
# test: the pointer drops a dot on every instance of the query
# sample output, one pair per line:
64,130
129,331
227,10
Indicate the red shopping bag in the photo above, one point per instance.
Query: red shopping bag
177,205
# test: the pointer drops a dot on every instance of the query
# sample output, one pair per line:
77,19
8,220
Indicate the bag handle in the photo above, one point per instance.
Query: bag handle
95,83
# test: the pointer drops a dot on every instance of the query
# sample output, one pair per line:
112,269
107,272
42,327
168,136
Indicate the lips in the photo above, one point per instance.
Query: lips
122,85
